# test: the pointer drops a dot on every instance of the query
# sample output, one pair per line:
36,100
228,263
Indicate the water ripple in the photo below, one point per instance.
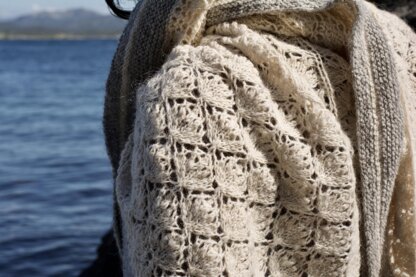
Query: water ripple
55,179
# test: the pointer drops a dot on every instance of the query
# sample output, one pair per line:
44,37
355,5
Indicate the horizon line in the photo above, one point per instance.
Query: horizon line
47,10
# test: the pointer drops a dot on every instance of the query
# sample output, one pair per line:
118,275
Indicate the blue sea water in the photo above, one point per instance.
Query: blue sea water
55,178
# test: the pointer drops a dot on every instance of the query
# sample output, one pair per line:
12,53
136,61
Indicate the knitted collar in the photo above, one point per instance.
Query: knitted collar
149,38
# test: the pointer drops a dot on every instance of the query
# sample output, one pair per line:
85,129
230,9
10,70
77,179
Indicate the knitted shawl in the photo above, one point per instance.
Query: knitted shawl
233,154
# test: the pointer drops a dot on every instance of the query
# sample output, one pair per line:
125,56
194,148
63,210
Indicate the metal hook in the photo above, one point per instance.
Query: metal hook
117,11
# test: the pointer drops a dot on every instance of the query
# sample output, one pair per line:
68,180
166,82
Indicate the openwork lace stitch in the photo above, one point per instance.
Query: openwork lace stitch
240,159
235,178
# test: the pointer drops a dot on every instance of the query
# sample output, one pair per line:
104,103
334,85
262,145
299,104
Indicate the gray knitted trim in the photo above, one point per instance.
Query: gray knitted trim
379,129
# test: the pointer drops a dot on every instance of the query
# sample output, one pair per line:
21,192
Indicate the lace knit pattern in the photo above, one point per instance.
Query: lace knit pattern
240,163
255,146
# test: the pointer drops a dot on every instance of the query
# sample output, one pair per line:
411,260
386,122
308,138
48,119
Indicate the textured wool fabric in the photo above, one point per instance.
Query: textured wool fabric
261,137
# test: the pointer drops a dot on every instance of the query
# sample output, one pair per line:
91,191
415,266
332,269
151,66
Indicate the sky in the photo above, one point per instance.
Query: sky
14,8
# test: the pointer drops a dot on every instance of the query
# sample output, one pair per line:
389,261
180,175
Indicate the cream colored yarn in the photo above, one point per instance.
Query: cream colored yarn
230,176
243,161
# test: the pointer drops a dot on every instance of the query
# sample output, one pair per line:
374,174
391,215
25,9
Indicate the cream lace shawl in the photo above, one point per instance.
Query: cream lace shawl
243,157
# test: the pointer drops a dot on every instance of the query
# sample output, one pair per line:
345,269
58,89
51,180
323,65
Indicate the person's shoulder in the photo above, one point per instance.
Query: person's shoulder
400,36
210,65
391,22
210,54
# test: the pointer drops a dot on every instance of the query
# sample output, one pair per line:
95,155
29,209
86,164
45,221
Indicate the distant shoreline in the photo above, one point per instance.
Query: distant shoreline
15,37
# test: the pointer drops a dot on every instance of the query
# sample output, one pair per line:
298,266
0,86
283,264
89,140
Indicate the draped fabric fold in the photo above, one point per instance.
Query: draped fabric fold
148,48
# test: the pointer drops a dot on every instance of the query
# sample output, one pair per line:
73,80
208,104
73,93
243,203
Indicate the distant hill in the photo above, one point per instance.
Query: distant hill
77,23
81,23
